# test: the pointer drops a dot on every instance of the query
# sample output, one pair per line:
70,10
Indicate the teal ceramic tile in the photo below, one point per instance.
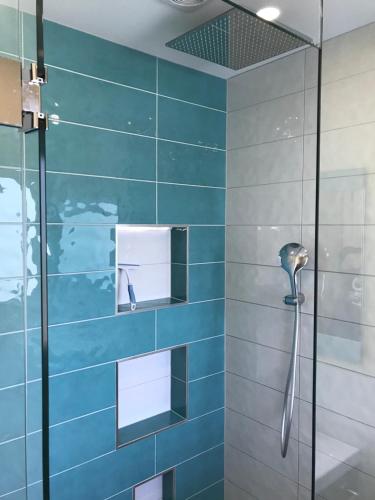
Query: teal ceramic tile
29,33
80,99
34,406
106,475
79,440
34,354
33,303
78,51
182,122
200,473
32,150
35,491
12,466
11,264
195,322
206,395
190,205
74,297
184,164
89,343
82,392
12,413
105,153
32,196
215,492
183,442
10,143
10,195
191,85
80,248
206,282
206,244
206,357
179,245
12,358
34,457
9,29
92,200
11,305
124,495
33,250
18,495
179,281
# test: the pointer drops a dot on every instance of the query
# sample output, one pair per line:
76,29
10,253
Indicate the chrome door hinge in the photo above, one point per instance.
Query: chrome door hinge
32,116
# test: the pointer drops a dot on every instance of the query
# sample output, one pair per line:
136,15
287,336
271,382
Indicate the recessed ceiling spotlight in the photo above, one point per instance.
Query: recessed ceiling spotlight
269,13
187,3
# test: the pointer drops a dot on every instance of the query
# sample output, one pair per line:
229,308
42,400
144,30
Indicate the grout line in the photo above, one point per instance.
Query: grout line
124,85
82,416
140,135
205,489
272,100
206,376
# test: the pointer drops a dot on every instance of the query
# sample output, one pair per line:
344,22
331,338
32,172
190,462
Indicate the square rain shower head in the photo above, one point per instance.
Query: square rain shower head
237,39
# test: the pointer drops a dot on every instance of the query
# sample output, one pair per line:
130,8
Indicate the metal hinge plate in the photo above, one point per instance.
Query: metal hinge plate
31,100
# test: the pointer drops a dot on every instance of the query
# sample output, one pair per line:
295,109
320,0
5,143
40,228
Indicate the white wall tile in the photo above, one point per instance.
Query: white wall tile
258,363
232,492
279,78
349,54
348,102
279,161
272,204
257,479
261,443
258,402
281,118
259,244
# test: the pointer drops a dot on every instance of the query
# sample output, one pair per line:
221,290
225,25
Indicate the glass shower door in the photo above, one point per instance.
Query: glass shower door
20,397
345,370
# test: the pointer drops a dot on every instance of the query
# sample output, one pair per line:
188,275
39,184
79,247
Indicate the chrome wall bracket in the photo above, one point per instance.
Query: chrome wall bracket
20,96
31,99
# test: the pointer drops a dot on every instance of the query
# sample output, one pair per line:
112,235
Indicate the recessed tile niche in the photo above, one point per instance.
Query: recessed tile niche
151,393
161,487
151,266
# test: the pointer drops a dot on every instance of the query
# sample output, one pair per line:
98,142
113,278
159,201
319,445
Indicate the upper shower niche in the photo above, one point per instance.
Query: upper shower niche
151,265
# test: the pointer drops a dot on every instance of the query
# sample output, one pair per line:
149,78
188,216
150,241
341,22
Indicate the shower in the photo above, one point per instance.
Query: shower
293,258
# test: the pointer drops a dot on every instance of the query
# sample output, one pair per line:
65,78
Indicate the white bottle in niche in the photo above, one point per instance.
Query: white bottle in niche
126,289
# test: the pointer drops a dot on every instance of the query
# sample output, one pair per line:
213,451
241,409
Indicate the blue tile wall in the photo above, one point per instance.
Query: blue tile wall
160,160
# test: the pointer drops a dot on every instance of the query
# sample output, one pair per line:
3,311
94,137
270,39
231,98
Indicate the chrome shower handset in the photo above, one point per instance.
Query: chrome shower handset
293,258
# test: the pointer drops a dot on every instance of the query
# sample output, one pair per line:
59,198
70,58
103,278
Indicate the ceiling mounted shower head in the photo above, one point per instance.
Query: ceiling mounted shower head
237,39
187,4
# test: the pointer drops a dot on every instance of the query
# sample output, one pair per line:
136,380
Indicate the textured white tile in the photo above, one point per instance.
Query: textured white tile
259,244
309,157
311,67
143,245
346,440
261,443
272,204
347,297
136,371
344,392
257,479
279,161
258,402
258,363
311,111
348,102
257,284
276,79
348,151
305,463
308,208
281,118
349,54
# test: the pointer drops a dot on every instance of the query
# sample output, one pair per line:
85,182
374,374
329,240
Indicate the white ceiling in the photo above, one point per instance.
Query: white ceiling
147,25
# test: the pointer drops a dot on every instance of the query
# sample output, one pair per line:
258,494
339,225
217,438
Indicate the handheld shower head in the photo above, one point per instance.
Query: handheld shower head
293,257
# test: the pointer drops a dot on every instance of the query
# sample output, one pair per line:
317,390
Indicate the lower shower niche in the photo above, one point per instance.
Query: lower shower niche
161,487
151,266
151,393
